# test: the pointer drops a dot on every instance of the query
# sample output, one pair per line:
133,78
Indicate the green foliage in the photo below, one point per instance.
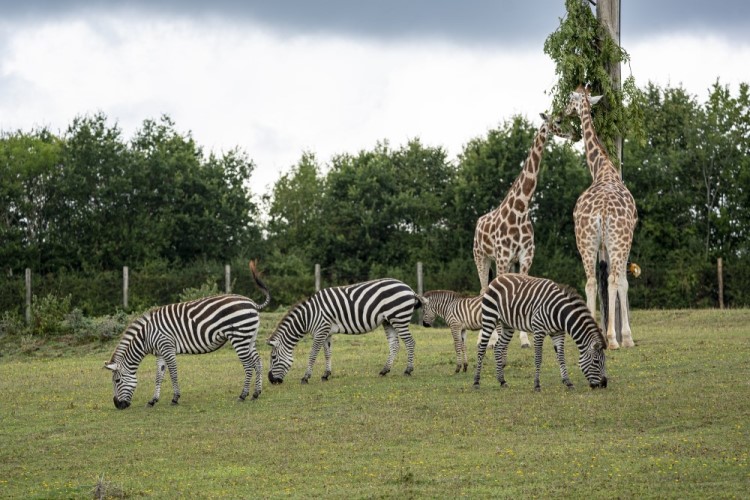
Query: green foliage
672,423
583,51
208,289
48,313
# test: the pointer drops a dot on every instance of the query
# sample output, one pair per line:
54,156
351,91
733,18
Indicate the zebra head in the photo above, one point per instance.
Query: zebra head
124,383
281,360
429,313
593,364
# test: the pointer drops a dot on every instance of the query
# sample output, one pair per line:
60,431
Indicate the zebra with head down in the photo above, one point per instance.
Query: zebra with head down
353,309
194,327
541,306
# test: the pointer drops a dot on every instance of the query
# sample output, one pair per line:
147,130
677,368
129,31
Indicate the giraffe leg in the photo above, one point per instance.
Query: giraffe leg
612,300
463,350
622,290
483,263
524,264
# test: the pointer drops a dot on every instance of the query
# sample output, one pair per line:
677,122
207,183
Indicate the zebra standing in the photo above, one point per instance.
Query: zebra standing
541,306
460,314
352,309
194,327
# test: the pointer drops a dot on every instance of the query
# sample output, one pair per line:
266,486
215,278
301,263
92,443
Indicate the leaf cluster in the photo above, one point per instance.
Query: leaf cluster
583,52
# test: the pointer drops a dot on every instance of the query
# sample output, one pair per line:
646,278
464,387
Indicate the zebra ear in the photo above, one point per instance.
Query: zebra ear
110,366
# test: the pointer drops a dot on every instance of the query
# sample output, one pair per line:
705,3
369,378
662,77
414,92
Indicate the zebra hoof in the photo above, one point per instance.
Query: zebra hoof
325,376
408,371
458,369
466,366
174,402
384,372
151,403
305,380
476,386
256,395
537,388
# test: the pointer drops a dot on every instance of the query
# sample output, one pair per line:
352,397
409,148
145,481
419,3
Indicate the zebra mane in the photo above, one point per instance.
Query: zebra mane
573,294
129,334
450,293
283,319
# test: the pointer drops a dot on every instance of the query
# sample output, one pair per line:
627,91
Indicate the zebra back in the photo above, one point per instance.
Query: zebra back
454,308
537,304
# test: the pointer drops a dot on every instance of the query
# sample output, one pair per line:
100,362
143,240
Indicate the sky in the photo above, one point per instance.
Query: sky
283,77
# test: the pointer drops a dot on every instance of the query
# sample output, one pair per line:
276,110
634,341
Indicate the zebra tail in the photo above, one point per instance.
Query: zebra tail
261,285
418,301
603,292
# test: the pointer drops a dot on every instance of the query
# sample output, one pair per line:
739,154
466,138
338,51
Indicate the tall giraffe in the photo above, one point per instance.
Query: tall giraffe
605,216
505,234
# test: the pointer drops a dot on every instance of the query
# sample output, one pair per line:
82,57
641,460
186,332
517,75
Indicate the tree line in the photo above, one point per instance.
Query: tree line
77,206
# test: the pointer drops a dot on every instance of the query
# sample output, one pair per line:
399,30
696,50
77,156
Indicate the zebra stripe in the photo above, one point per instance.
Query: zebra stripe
352,309
541,306
196,327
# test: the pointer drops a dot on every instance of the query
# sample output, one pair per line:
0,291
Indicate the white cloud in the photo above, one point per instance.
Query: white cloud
276,96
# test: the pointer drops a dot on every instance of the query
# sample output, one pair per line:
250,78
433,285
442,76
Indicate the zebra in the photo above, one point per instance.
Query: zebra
461,313
351,309
541,306
195,327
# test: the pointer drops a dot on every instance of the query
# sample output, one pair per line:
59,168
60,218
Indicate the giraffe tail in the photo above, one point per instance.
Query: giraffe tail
603,292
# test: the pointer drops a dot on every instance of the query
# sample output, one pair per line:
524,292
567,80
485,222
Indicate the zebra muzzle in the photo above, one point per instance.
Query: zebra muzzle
274,380
120,405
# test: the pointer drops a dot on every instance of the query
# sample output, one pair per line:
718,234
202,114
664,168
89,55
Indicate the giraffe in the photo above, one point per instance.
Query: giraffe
505,234
604,216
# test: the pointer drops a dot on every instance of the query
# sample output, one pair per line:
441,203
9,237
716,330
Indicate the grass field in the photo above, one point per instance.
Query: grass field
673,423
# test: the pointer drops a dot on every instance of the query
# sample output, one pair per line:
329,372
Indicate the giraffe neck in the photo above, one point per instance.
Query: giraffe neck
525,184
596,157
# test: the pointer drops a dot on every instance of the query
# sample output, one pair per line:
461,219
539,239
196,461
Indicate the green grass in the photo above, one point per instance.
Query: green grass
673,423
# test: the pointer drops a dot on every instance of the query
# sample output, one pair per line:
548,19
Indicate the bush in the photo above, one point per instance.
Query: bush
48,313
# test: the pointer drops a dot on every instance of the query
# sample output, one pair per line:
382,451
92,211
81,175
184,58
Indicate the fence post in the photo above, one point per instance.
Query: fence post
28,296
125,287
720,272
420,288
317,277
227,278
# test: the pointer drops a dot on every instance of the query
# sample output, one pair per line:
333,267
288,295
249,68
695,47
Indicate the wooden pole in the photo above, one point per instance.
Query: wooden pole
125,287
720,273
608,14
420,287
227,278
28,296
317,277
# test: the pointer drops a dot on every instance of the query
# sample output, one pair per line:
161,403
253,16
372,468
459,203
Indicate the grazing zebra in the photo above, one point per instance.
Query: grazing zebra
352,309
195,327
541,306
460,314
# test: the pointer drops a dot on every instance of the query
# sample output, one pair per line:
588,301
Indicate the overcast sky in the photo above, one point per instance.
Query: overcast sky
279,77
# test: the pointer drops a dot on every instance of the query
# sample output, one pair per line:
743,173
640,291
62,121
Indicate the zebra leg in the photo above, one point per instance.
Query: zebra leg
319,338
327,354
463,349
161,367
408,340
484,338
501,354
456,333
250,360
390,334
538,344
171,360
558,342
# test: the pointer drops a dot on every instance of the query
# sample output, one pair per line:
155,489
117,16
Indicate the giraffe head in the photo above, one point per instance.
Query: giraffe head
575,104
555,127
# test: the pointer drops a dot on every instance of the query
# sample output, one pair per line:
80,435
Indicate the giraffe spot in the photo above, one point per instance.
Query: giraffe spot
529,185
519,205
